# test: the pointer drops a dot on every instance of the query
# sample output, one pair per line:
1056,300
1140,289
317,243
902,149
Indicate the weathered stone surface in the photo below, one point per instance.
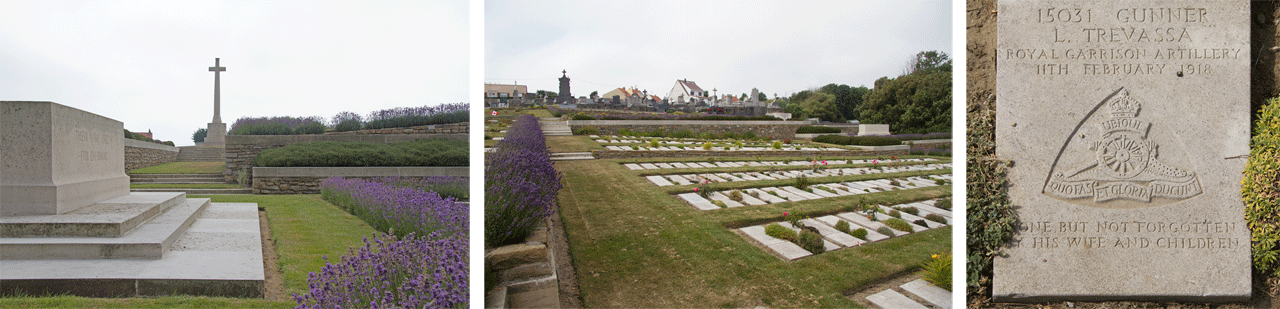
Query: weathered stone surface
1128,126
509,256
56,158
140,154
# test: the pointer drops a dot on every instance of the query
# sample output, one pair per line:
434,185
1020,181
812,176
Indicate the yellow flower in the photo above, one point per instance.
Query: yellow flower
935,256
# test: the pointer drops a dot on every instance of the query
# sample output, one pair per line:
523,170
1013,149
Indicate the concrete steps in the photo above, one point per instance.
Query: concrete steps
199,191
193,179
148,241
201,154
554,127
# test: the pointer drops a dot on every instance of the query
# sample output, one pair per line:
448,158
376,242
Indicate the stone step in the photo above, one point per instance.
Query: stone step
148,241
219,255
178,180
110,218
199,191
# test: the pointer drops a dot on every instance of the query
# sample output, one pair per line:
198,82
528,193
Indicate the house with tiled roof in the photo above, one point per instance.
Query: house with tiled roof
686,92
630,96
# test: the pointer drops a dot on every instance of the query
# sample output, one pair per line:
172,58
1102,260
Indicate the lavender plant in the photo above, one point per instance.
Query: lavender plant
413,272
418,116
394,209
520,183
285,125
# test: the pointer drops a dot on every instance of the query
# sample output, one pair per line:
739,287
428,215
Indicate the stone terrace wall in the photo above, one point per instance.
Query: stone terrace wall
306,180
448,128
615,154
770,129
139,154
241,149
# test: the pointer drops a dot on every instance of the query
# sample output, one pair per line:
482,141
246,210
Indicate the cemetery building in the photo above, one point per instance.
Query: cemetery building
500,95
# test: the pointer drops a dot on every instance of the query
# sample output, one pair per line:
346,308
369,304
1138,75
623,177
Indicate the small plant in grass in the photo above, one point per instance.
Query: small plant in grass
898,224
938,270
810,241
944,203
860,233
774,193
634,147
706,146
895,213
833,191
777,145
908,209
735,195
886,231
242,178
893,182
653,143
802,182
936,218
939,182
780,232
754,194
842,226
920,222
704,188
719,203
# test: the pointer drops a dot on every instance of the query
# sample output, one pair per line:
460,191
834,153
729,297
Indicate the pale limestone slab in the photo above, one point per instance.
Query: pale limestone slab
871,226
802,193
679,180
791,197
827,245
658,180
663,165
930,293
679,165
757,232
872,236
713,178
748,177
633,166
697,201
833,235
893,299
648,166
724,199
56,158
765,196
824,193
1127,186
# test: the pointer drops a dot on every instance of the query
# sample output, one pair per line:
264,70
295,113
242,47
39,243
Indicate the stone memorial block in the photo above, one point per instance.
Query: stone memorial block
56,159
1128,125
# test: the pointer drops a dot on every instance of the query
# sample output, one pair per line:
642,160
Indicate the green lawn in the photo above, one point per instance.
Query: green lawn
183,168
185,186
305,228
633,244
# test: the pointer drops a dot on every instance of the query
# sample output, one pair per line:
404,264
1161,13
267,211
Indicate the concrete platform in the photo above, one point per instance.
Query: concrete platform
219,255
149,241
109,218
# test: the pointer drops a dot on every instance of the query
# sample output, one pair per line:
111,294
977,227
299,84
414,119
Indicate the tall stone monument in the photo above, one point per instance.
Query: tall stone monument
1128,126
217,136
56,159
564,95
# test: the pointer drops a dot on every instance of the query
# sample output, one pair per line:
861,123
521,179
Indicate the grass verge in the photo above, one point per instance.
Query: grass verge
183,168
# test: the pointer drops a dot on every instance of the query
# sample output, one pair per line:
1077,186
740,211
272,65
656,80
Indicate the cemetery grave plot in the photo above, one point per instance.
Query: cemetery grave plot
869,225
649,144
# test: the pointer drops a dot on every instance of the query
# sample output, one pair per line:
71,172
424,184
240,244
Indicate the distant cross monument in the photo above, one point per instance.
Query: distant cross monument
565,96
217,135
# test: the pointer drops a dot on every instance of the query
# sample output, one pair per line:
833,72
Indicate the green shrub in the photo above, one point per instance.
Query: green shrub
842,226
944,203
588,130
1260,191
894,213
898,224
810,241
347,125
424,152
860,233
682,133
653,143
309,128
886,231
938,270
857,140
626,132
656,133
911,210
802,182
706,146
920,222
777,145
583,117
199,136
780,232
719,203
816,130
936,218
735,195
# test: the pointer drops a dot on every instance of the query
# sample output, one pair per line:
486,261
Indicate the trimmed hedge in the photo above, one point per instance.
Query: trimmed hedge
424,152
817,130
858,140
810,241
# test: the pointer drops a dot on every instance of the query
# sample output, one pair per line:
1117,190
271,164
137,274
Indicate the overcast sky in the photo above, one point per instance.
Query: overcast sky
147,63
777,46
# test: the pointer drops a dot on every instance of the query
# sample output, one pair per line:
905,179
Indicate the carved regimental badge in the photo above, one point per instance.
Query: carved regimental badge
1121,167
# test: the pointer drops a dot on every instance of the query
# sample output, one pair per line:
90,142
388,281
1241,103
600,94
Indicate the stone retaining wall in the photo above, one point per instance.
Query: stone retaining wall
770,129
615,154
448,128
241,149
306,180
140,154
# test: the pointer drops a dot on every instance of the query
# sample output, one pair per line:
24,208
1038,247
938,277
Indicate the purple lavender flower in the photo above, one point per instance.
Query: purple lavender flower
520,183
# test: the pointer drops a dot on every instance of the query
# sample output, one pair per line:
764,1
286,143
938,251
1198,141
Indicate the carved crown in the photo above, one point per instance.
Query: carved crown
1123,106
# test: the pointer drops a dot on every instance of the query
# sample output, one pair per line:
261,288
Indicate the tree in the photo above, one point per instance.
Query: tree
916,102
199,136
593,95
762,97
743,97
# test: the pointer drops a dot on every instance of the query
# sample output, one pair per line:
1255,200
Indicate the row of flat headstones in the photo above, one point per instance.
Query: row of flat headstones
606,139
647,148
663,165
665,142
791,194
835,240
687,179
